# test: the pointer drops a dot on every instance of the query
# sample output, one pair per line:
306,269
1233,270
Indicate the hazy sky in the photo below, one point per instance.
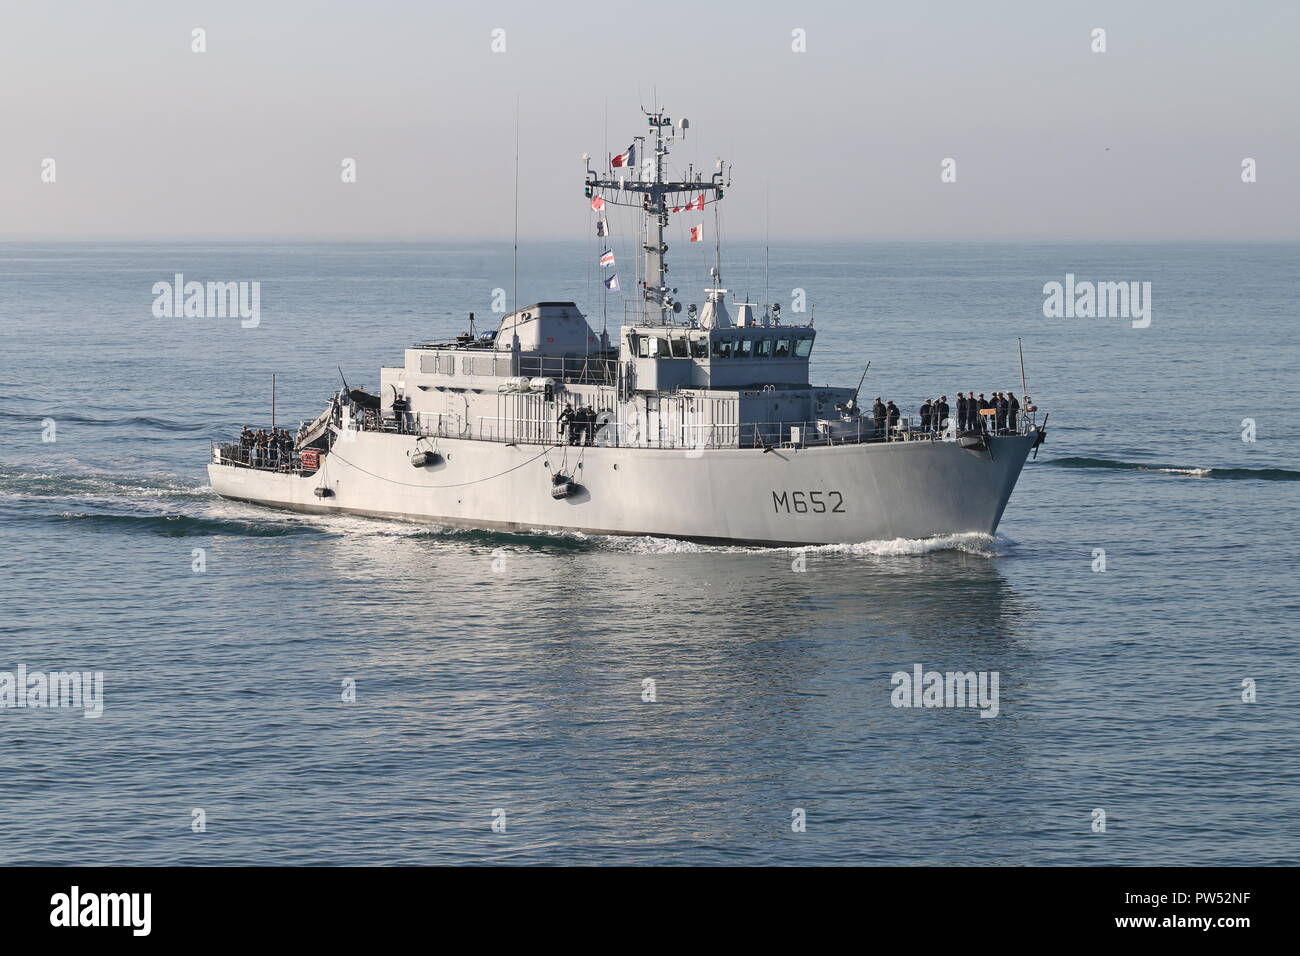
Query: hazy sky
846,139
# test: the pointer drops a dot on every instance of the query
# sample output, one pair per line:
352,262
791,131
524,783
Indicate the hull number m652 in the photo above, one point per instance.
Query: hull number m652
808,502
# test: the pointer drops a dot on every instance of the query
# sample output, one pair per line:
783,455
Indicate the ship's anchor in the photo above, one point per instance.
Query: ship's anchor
1042,435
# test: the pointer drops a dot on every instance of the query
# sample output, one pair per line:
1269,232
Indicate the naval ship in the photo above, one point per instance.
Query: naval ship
700,426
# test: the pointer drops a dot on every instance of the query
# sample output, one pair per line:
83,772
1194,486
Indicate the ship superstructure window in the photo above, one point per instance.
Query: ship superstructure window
803,348
651,346
700,347
745,348
722,348
679,346
764,349
782,348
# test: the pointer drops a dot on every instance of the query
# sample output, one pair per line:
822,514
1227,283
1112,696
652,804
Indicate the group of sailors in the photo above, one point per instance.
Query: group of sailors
997,414
266,448
578,425
886,416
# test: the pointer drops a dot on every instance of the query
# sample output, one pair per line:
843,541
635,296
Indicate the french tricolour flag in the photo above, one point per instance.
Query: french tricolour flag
625,159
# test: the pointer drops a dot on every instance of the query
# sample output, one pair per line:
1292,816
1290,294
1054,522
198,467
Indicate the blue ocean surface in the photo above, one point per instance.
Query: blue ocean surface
482,695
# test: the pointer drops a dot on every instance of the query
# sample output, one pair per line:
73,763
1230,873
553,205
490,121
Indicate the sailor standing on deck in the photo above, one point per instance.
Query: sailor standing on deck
892,411
963,414
878,414
566,423
939,414
926,409
579,426
1000,403
1013,409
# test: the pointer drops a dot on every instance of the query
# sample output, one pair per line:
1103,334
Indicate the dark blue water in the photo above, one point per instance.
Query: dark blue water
476,690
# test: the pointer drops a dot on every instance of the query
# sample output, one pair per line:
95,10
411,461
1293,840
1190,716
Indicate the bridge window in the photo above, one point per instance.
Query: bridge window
764,349
679,346
700,347
803,348
782,348
722,348
745,348
652,346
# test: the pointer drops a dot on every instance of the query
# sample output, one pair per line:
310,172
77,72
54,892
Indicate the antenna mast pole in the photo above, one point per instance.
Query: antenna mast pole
717,248
514,278
1023,387
651,193
767,247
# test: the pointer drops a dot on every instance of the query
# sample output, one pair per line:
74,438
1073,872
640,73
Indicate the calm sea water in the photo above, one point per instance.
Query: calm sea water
522,691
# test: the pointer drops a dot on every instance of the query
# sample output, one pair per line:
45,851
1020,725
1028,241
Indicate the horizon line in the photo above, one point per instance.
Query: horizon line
506,241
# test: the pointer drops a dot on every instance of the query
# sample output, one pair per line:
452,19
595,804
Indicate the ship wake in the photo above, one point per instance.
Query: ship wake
1109,464
984,545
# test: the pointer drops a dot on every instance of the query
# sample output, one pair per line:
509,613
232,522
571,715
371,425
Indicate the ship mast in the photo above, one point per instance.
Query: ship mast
649,189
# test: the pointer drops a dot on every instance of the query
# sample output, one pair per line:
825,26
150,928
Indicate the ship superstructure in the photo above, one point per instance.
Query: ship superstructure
691,422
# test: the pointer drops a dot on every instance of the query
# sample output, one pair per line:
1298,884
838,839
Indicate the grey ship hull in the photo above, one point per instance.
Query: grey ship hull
788,496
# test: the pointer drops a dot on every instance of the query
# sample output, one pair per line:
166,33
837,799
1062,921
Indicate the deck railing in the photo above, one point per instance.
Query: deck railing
265,458
609,432
536,431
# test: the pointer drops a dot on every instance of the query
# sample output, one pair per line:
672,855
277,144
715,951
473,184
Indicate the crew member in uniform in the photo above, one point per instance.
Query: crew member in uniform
1013,409
566,423
925,415
878,413
963,413
892,411
939,414
1000,403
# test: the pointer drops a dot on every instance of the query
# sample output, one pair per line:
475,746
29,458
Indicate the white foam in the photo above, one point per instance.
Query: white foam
986,545
88,484
970,543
